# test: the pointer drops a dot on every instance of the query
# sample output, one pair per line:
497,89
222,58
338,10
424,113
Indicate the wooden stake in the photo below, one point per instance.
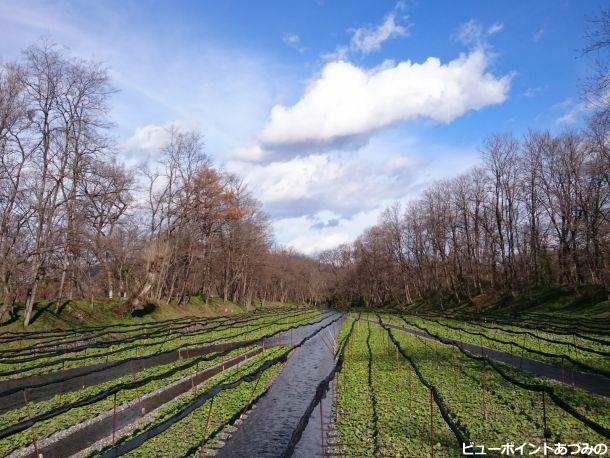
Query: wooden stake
27,407
397,369
193,380
113,419
322,429
522,351
410,392
484,391
431,425
574,343
337,400
207,425
133,379
252,394
61,386
546,432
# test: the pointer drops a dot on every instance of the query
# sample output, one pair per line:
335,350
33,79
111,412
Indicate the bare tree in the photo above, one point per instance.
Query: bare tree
536,214
597,87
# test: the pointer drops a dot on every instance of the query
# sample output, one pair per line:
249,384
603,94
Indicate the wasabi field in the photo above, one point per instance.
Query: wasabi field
352,384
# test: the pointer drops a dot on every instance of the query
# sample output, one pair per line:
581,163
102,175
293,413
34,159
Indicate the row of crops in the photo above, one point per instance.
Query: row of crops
35,359
583,352
401,394
217,368
559,324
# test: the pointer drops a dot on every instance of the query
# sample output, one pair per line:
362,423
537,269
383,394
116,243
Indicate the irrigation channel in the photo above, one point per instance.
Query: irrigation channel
593,383
269,428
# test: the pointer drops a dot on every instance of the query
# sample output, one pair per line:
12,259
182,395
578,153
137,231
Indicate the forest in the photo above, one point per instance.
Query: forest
534,214
77,223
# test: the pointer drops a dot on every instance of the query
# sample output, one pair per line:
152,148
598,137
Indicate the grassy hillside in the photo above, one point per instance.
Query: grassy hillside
588,301
84,312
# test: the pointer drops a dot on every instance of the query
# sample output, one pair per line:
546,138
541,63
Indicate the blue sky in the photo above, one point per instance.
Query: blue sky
330,110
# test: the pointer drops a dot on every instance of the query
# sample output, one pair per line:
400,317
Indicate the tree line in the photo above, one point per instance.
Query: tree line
77,223
536,212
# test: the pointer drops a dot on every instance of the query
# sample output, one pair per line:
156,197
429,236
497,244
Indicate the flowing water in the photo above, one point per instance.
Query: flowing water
269,427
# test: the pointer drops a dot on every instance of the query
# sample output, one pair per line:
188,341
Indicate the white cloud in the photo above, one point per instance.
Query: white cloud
321,200
390,167
249,153
470,33
343,185
346,103
534,91
151,138
495,28
569,117
473,34
369,39
294,41
340,53
314,242
538,35
572,111
342,230
281,184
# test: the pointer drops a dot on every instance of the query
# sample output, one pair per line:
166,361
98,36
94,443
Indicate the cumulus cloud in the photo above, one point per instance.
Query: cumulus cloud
338,183
320,200
346,104
369,39
249,153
